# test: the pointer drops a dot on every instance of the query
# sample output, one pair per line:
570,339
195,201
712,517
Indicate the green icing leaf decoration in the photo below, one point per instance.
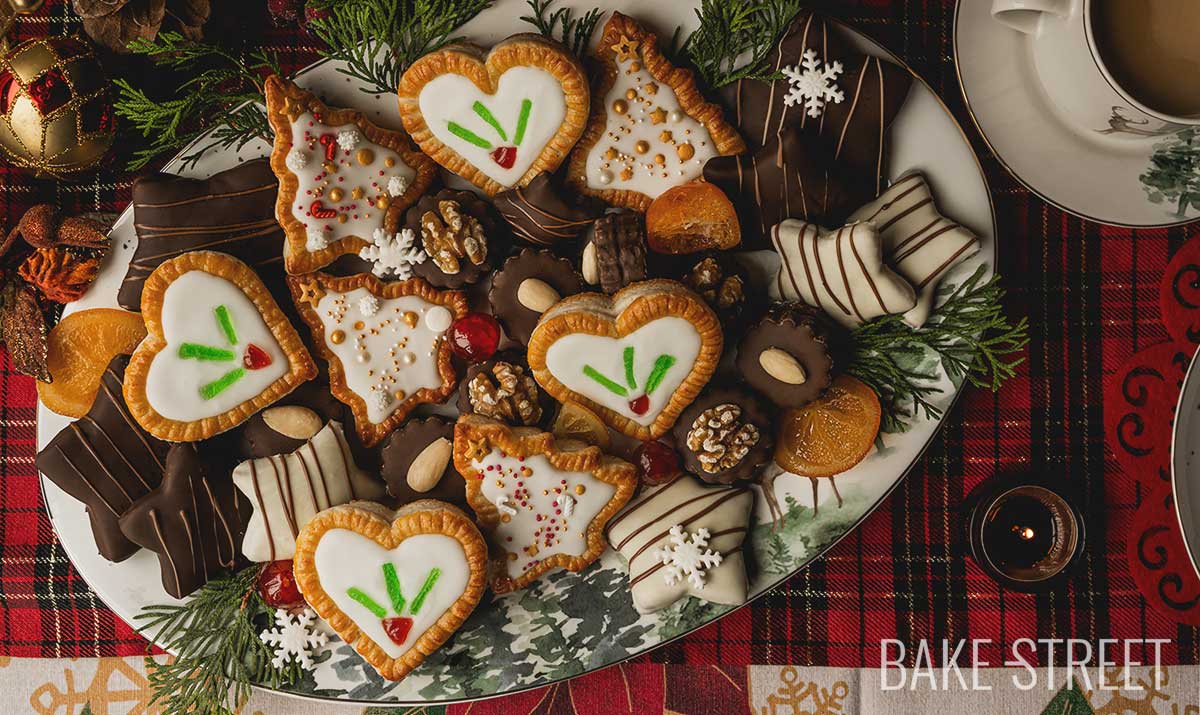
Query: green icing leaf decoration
523,121
430,580
226,322
486,115
629,378
393,586
222,383
193,351
605,382
367,602
467,135
661,365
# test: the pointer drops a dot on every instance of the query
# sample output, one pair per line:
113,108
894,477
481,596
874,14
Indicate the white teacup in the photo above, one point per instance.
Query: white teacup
1074,76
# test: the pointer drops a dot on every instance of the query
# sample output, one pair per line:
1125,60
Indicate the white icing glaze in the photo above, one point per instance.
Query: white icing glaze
174,383
381,363
287,491
677,337
531,486
450,98
372,179
608,169
345,559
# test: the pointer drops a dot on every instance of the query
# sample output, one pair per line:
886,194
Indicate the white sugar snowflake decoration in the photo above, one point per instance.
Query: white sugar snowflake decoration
687,555
393,254
295,638
317,238
813,84
397,185
348,139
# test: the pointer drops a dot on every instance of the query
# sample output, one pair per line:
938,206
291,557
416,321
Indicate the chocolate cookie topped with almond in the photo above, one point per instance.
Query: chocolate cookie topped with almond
786,356
526,286
418,463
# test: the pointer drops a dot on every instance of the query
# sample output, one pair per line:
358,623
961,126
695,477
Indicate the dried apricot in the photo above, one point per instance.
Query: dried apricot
80,347
832,434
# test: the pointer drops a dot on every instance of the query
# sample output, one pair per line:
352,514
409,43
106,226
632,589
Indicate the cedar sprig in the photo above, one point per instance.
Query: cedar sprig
561,24
216,647
224,90
376,40
735,37
970,334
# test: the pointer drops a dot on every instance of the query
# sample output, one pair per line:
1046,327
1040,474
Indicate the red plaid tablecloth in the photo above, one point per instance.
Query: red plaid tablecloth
1090,292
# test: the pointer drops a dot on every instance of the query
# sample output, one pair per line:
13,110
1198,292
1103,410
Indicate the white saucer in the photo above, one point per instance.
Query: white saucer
1088,171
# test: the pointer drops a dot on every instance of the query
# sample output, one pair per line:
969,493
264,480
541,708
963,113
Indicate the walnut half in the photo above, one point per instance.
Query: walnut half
507,394
450,234
720,439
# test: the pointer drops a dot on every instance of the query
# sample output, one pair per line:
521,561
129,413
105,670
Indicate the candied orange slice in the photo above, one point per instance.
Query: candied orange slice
832,434
575,421
79,348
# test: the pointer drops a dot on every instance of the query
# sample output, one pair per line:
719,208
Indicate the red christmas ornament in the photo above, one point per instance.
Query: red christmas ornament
657,463
397,628
255,358
277,585
50,91
474,337
9,89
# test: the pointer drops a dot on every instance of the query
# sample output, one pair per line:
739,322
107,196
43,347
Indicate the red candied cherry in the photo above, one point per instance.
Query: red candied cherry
657,462
256,358
474,337
397,628
277,585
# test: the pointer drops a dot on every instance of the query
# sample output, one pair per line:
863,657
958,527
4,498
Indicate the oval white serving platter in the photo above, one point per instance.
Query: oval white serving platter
568,624
1185,461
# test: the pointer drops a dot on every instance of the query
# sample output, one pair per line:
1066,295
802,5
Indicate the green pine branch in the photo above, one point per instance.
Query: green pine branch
972,337
218,653
223,91
735,37
376,40
561,25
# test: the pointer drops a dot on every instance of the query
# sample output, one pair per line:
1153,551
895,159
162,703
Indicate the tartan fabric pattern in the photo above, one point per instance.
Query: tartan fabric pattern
1090,292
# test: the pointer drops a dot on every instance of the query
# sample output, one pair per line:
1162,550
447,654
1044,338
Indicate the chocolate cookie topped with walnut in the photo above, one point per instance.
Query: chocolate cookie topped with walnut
503,390
458,231
725,435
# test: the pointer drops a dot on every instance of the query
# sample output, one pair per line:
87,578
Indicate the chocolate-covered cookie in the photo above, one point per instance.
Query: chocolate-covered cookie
540,215
193,521
288,424
793,176
503,389
418,463
525,286
725,435
458,231
616,254
786,356
232,212
106,460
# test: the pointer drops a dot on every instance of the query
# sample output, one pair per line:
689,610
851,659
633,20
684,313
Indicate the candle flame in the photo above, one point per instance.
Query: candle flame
1024,532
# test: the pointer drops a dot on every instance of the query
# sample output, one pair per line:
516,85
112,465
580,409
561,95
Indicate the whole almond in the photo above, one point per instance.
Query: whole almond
588,265
782,366
426,470
537,295
293,421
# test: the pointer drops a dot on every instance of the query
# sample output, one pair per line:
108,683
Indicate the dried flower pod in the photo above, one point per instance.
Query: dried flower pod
23,327
39,226
60,275
83,232
9,241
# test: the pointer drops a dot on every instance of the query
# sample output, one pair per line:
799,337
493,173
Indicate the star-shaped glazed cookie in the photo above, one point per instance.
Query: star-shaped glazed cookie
684,539
543,503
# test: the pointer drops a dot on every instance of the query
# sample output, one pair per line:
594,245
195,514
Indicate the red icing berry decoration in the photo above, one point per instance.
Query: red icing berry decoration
255,358
329,141
277,585
505,156
397,628
50,91
657,462
9,89
318,210
474,337
639,405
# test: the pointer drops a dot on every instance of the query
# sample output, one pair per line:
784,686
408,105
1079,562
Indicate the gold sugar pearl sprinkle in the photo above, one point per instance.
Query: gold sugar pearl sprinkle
336,194
642,146
620,106
631,93
410,318
685,151
364,156
337,337
660,159
635,66
359,325
580,489
329,167
400,394
389,162
343,218
381,203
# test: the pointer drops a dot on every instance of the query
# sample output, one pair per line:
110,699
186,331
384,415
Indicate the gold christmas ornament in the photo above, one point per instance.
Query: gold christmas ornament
56,115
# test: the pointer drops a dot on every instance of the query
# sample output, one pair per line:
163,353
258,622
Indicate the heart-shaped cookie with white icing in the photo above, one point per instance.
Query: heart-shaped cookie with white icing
218,349
496,119
395,587
636,358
